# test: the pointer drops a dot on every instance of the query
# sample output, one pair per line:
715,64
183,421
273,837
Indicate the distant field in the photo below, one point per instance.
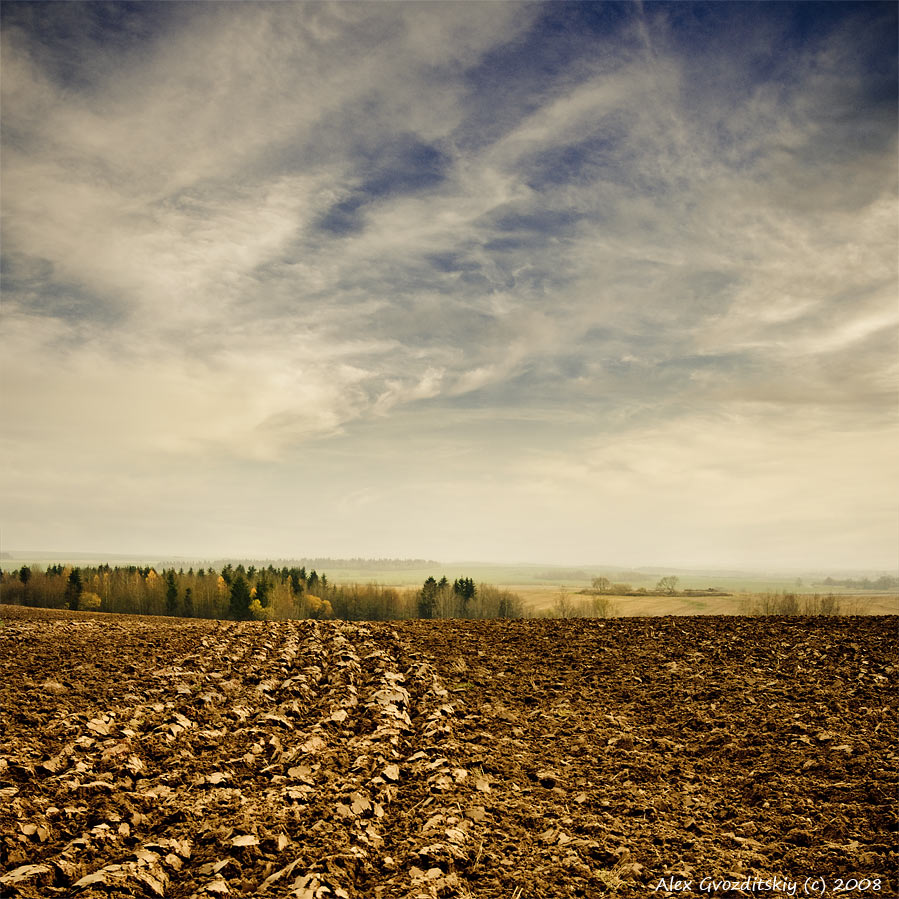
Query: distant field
542,580
539,599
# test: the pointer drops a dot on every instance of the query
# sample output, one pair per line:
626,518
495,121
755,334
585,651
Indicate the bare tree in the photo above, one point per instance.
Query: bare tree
667,584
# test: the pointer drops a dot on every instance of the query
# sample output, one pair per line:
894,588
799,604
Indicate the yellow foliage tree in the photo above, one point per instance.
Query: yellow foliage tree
90,602
318,607
260,612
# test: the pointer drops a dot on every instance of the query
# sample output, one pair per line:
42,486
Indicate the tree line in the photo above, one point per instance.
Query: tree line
884,582
247,592
666,585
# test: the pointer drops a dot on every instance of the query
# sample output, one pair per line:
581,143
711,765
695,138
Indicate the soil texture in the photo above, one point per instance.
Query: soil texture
155,757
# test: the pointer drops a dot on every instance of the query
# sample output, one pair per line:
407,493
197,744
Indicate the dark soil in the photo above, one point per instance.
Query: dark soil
157,757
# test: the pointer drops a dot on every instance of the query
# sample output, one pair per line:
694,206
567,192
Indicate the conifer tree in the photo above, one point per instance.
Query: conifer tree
465,589
171,592
427,598
74,589
240,597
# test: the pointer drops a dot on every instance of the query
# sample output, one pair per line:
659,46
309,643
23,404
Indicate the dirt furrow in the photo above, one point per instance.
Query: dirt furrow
148,757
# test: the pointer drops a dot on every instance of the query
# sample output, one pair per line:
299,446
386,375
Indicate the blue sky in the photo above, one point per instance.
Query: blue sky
564,282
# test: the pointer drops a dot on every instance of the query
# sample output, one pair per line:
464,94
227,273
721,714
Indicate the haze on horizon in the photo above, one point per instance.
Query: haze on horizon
499,281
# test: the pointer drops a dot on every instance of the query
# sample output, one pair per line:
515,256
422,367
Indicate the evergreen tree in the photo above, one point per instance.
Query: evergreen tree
188,603
171,592
240,597
24,575
297,580
74,589
427,598
465,589
263,587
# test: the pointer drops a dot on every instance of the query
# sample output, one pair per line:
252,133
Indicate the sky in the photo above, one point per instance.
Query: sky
564,282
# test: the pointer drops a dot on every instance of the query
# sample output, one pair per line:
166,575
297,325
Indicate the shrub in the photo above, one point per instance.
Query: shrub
598,606
260,612
603,607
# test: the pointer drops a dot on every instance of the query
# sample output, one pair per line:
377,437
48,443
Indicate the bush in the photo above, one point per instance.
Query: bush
598,606
259,612
603,607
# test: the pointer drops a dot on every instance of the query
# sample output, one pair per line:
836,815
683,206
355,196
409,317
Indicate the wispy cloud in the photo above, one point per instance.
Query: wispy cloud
239,237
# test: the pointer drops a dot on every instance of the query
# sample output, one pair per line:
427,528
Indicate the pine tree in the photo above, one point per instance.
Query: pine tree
74,589
262,591
427,598
465,589
171,592
240,597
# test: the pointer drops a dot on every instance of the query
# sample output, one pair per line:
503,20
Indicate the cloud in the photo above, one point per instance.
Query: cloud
236,234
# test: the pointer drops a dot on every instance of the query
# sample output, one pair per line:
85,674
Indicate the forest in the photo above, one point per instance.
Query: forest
247,592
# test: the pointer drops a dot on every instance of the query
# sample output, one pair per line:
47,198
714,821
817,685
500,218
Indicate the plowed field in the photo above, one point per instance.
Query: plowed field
155,757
